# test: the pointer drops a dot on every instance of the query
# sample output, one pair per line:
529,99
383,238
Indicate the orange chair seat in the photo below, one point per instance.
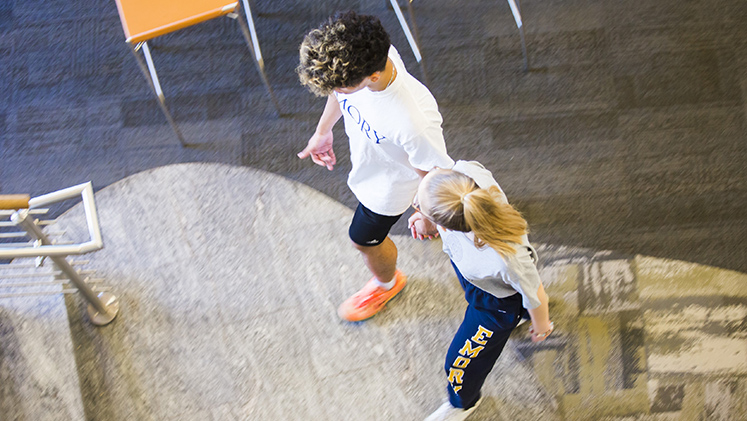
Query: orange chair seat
146,19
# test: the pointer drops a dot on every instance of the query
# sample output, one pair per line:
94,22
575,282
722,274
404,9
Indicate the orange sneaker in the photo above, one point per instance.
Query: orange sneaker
370,299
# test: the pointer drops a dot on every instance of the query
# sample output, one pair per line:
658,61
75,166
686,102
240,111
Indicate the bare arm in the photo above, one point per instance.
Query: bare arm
319,146
540,318
331,114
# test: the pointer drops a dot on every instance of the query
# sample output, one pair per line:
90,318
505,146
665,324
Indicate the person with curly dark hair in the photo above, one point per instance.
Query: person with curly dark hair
394,129
334,56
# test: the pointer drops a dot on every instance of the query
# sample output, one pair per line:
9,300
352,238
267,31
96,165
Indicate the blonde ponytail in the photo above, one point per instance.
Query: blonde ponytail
455,202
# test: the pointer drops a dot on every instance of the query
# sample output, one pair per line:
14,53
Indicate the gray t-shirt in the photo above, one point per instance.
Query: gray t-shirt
484,267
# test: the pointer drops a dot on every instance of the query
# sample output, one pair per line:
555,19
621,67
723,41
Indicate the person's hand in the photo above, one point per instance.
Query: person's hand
320,150
422,227
539,335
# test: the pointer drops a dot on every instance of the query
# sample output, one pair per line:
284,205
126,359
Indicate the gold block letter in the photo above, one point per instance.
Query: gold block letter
455,375
467,349
461,362
481,334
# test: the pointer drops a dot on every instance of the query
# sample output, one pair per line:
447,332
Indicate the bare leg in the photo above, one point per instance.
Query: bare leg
381,260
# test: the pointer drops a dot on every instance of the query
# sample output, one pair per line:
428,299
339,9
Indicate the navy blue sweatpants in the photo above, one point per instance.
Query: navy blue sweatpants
478,343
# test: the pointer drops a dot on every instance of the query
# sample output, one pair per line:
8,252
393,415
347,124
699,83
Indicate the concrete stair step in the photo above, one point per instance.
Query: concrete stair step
38,373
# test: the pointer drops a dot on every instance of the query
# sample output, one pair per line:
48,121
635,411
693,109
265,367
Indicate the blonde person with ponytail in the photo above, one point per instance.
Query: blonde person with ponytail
486,239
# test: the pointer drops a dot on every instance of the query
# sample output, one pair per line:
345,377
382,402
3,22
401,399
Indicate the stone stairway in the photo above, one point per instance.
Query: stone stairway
38,373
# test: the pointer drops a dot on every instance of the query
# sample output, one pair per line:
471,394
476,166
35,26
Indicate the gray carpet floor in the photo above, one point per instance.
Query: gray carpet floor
627,133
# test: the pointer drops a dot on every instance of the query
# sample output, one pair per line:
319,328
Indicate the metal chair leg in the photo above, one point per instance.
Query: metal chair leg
410,38
250,35
516,11
411,11
149,72
524,49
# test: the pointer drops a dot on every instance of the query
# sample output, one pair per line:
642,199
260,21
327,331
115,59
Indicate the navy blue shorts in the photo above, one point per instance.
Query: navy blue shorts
369,228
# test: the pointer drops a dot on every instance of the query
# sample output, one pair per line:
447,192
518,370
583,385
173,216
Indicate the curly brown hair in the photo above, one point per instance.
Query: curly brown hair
342,52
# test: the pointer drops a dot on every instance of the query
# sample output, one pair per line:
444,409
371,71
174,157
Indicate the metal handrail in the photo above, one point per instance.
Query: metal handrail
103,307
85,190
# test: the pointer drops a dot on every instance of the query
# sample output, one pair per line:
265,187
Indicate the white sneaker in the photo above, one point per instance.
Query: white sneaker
446,412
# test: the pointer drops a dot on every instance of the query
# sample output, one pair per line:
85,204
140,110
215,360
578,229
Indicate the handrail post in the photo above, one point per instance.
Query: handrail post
100,312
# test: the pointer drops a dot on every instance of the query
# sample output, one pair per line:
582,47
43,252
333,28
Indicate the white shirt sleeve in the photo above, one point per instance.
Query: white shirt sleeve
523,276
427,150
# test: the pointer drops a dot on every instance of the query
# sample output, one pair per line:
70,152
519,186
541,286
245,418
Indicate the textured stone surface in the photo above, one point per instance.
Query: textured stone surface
38,374
229,279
